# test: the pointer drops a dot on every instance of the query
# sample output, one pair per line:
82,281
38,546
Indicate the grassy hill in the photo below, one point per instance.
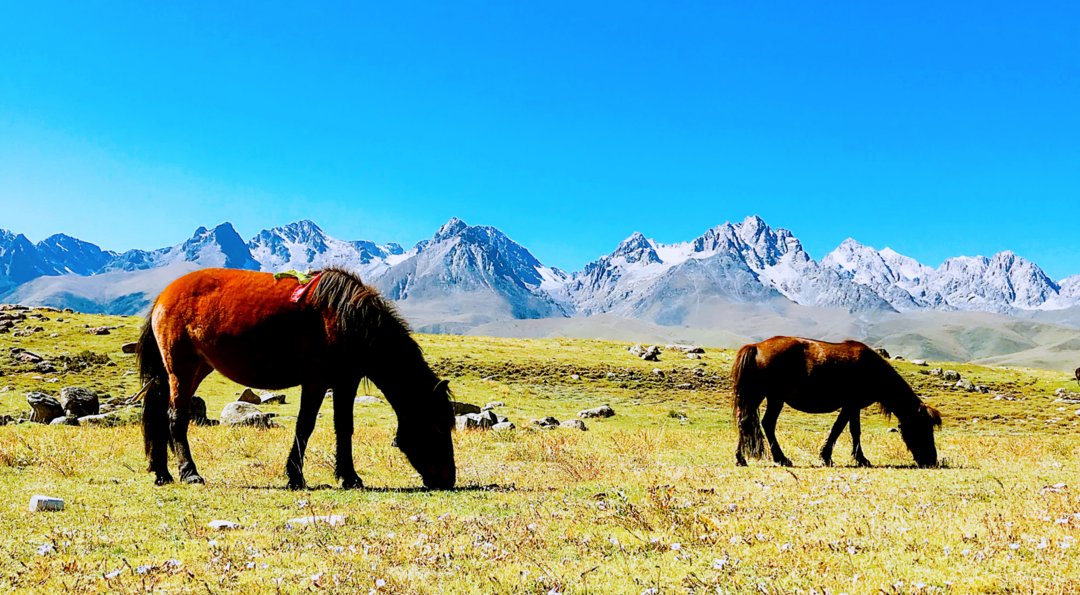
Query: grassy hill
648,499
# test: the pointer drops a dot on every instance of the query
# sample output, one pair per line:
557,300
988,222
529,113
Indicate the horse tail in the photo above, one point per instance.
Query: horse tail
155,419
746,401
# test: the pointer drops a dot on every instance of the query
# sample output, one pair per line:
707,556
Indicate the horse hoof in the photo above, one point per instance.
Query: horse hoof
163,479
864,463
827,462
353,483
194,479
295,485
784,462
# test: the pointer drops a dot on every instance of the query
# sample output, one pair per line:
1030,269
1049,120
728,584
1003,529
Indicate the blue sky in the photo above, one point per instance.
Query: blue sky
934,128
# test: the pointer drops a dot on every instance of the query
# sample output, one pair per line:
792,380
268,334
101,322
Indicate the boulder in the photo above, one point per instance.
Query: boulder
27,357
79,402
950,375
919,362
98,330
129,347
936,371
882,352
575,424
685,348
546,422
465,408
272,399
249,396
601,411
66,420
493,405
120,417
486,419
240,413
503,426
44,408
965,384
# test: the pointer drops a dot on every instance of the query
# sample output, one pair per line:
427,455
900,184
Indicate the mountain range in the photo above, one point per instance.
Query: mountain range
466,277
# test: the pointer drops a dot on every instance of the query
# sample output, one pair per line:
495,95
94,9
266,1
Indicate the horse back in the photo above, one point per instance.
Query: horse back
242,323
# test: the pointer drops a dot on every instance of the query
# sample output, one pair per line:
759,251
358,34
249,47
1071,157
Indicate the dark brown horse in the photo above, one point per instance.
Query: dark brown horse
272,333
819,377
1077,375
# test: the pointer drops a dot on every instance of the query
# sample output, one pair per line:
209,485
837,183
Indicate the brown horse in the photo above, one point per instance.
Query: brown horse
819,377
1077,373
272,333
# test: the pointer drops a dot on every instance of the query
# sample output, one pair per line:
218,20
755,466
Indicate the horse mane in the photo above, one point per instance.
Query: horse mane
360,311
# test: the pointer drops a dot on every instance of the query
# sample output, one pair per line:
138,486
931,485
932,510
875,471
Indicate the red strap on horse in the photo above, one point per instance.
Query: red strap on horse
301,290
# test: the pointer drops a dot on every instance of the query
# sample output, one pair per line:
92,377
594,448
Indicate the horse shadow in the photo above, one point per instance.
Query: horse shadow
494,488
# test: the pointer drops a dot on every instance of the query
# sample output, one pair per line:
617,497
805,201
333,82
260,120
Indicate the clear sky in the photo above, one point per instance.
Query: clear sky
935,128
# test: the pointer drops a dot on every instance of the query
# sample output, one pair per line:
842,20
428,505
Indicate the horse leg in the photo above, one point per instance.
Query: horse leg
311,398
344,398
856,444
183,380
768,422
838,426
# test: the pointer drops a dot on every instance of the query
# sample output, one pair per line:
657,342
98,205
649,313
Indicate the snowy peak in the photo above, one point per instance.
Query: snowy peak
637,249
66,254
303,245
217,247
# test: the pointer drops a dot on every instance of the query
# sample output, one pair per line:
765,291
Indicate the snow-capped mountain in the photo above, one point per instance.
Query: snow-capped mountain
304,246
744,262
462,263
1004,283
467,275
217,247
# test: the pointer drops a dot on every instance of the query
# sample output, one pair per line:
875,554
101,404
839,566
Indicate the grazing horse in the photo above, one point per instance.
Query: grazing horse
272,333
1077,373
819,377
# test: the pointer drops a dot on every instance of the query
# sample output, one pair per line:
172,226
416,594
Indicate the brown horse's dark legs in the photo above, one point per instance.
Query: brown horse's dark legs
856,444
311,399
178,427
837,428
768,422
343,428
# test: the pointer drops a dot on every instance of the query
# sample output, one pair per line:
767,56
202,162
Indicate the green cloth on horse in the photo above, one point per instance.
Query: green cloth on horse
303,278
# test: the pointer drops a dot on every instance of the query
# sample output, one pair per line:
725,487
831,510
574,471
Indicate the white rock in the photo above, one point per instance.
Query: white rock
46,503
333,520
223,525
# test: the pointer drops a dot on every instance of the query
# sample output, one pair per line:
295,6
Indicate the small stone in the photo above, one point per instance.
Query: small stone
66,420
223,525
40,503
493,405
249,396
936,372
463,408
503,426
272,399
575,424
546,422
882,352
334,520
245,414
98,330
919,362
465,422
575,377
950,376
129,347
965,384
601,411
685,348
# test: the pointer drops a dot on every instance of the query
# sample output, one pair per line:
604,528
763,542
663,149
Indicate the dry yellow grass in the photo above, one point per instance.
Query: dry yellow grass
649,499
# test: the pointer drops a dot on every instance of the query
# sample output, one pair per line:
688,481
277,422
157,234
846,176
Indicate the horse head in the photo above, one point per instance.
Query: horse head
917,430
424,437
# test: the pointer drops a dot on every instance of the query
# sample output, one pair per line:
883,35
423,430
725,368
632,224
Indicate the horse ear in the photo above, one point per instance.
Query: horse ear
933,414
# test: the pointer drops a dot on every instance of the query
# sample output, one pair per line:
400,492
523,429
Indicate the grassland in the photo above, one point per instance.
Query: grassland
648,499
